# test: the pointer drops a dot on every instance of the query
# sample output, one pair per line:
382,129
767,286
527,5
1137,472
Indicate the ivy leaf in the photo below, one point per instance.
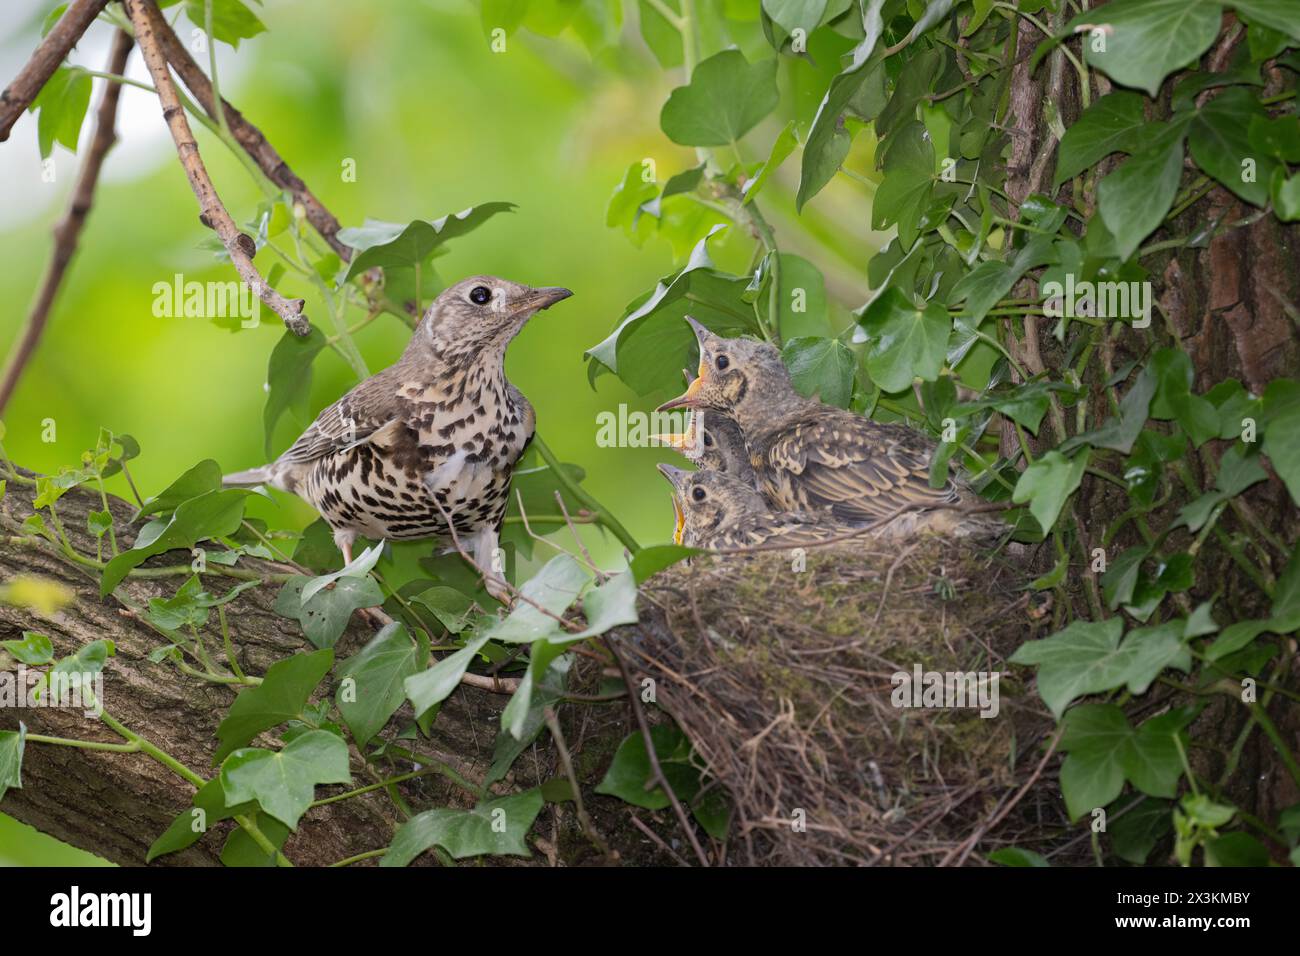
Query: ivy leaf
325,616
905,193
549,592
494,827
782,147
284,782
1113,124
861,83
1104,751
801,301
1014,855
988,282
1282,445
648,562
1236,849
1135,834
1140,42
452,608
281,697
198,480
629,773
61,108
725,99
1087,658
33,649
822,367
359,567
210,515
433,686
11,758
288,378
1275,14
547,692
1047,483
232,21
1175,400
791,15
904,342
1219,139
378,674
188,607
391,245
1236,474
1133,199
1121,432
1121,577
189,827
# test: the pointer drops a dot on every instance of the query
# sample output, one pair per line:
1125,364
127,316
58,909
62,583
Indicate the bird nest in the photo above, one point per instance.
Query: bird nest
787,683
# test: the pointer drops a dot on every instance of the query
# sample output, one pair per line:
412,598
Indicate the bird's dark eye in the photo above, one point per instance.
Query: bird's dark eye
480,294
707,440
698,494
722,363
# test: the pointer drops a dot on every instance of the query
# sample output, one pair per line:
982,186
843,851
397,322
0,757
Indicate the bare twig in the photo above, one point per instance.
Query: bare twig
657,771
69,227
212,213
583,817
245,133
18,95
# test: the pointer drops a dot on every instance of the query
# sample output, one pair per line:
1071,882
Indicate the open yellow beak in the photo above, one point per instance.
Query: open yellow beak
689,398
674,476
679,522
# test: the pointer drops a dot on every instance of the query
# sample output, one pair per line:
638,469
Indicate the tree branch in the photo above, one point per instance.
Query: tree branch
212,213
19,94
68,229
246,134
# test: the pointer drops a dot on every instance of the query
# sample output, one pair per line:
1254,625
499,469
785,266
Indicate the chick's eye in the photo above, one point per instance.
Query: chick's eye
480,294
698,494
721,363
708,441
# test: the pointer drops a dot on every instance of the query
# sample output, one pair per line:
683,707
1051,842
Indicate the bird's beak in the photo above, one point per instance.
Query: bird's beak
686,442
688,399
538,299
675,476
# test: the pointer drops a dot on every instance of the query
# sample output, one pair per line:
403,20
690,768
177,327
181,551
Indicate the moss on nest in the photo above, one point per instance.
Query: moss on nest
783,680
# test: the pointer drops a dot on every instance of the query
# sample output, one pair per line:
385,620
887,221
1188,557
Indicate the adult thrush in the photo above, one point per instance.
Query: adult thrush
717,446
427,445
815,458
715,510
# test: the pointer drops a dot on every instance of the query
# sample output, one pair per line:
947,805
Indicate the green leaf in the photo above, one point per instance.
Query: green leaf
284,782
99,522
904,195
189,827
629,773
1175,400
1219,139
648,562
282,695
61,108
452,608
1113,124
1277,15
241,850
549,594
495,827
546,692
33,649
1015,856
1121,577
904,342
1286,195
782,147
232,21
1121,432
1236,474
358,567
11,758
1236,849
203,478
1135,834
1088,658
1140,42
391,245
188,607
801,302
377,675
821,367
288,378
325,616
1104,751
1282,445
1047,483
433,686
1133,199
725,99
791,15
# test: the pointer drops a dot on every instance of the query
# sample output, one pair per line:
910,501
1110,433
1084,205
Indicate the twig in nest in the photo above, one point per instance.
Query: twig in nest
253,141
656,838
656,771
583,817
212,213
69,228
19,94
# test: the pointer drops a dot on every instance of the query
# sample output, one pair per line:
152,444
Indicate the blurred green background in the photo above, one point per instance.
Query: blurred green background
435,122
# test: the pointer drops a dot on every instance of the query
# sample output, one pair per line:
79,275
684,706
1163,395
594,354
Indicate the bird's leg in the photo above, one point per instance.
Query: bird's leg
490,561
343,541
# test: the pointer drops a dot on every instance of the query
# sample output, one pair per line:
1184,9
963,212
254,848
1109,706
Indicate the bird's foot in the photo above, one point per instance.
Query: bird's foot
499,590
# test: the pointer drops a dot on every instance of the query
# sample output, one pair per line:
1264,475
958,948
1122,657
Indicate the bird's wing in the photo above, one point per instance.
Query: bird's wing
860,470
364,414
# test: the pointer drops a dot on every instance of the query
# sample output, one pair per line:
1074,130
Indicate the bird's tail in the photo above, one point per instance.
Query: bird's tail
249,478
